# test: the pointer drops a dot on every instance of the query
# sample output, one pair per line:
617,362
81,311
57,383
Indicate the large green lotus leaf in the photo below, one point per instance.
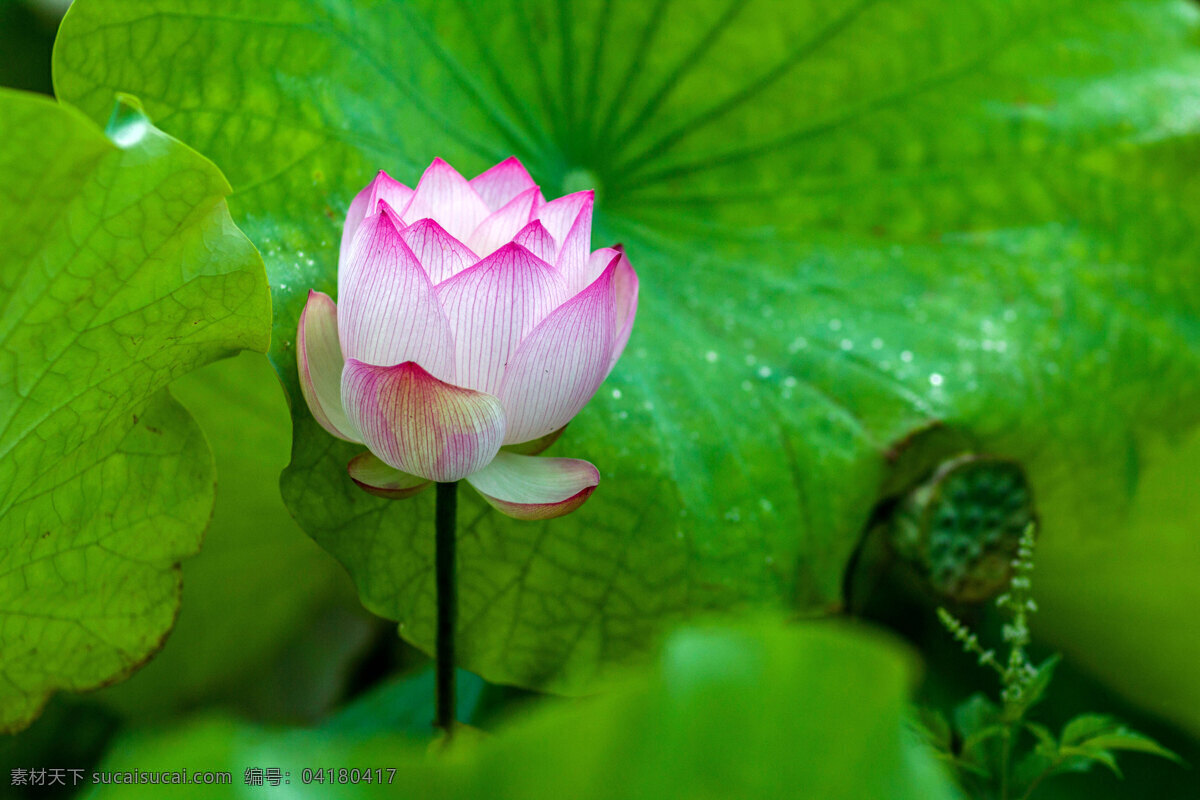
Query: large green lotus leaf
259,583
852,220
121,271
758,711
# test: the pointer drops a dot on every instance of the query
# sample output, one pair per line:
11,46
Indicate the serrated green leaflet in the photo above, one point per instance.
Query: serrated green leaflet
800,734
121,270
850,219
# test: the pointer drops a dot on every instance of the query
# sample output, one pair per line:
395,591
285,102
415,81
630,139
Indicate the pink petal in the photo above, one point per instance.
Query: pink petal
377,478
502,226
502,183
390,311
576,247
536,239
535,446
366,203
625,285
441,255
492,306
531,488
319,361
446,196
561,363
560,215
420,425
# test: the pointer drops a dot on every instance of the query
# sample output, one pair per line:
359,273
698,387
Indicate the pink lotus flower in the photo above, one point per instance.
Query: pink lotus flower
475,322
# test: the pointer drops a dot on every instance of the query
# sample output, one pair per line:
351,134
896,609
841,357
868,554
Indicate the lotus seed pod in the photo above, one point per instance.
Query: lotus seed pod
961,528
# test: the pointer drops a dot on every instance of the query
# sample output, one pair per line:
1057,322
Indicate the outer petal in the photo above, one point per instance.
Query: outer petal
625,286
534,446
528,487
420,425
441,255
366,203
376,477
319,361
561,214
536,239
446,196
390,311
561,363
500,228
492,306
500,184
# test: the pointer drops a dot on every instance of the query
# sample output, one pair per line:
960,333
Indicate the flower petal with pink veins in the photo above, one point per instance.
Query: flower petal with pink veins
536,239
446,196
599,260
534,446
576,247
366,203
561,363
492,306
499,228
390,311
560,215
319,361
500,184
533,488
441,255
376,477
420,425
625,286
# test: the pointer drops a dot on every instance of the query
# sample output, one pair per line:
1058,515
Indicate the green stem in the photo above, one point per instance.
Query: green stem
447,603
1035,783
1005,750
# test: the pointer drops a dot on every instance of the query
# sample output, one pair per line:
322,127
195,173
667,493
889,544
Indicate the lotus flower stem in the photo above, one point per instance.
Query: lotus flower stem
447,603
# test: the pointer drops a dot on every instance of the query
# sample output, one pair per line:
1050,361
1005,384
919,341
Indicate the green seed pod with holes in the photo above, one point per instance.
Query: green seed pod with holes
961,527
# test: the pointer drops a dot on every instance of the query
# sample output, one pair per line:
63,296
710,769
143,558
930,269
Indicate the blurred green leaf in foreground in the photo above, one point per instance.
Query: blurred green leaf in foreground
760,710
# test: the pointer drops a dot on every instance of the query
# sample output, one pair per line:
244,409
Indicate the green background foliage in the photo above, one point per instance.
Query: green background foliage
851,220
259,582
121,271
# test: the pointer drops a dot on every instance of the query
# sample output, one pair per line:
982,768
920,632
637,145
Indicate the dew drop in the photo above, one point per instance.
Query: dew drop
936,379
711,356
906,356
616,393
